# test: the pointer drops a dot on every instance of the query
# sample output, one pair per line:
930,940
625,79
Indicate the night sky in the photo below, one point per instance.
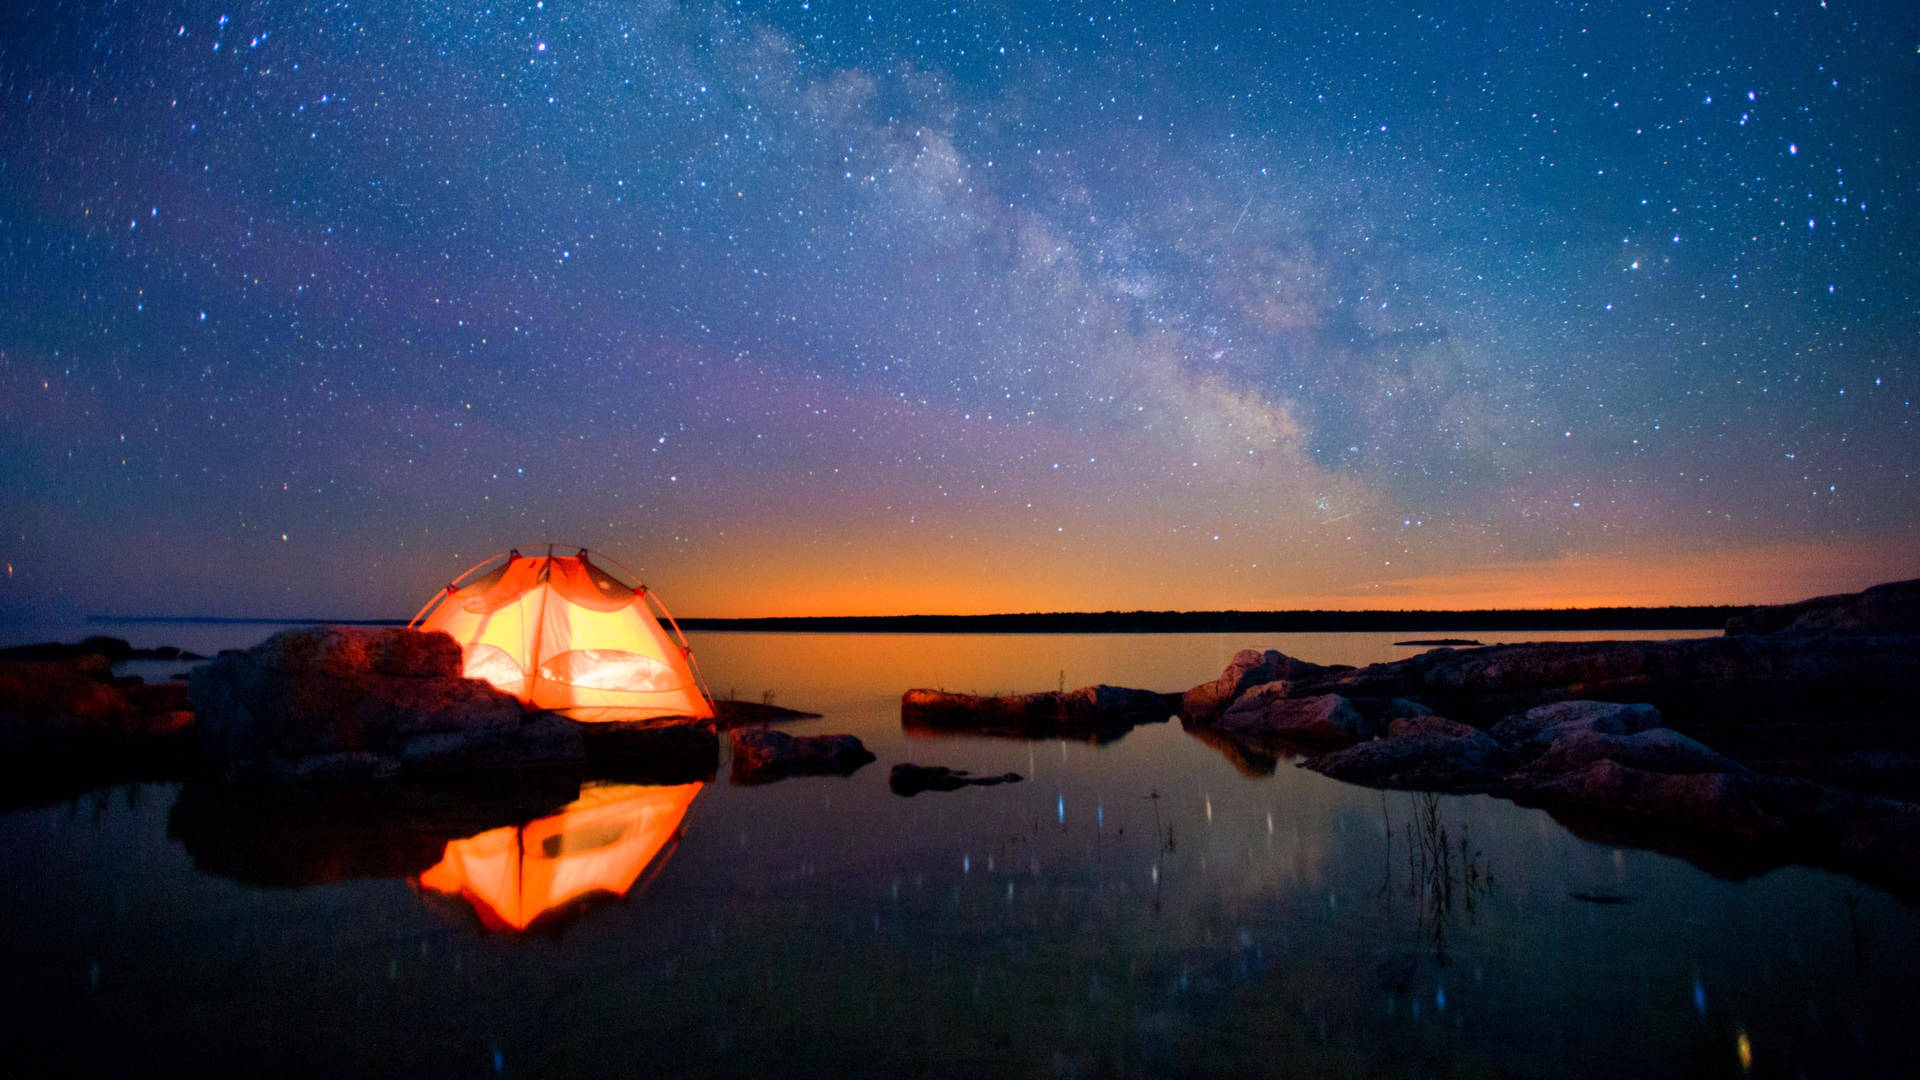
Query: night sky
813,308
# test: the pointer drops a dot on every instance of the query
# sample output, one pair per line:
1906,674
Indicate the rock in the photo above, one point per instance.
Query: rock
1248,668
1716,801
1265,711
761,756
539,738
1658,750
730,714
1429,752
112,649
662,750
908,779
1698,684
335,690
1431,725
1098,713
1534,730
40,696
1890,609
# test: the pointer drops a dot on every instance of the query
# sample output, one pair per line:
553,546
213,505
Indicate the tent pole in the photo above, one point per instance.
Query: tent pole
540,626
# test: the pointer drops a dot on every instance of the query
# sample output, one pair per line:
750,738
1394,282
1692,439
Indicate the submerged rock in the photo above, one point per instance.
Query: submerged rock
1100,713
761,756
908,779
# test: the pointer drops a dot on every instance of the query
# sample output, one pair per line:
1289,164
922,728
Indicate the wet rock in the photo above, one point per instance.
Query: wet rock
761,756
1249,668
1717,801
335,690
908,779
1099,713
1428,752
1267,711
1657,750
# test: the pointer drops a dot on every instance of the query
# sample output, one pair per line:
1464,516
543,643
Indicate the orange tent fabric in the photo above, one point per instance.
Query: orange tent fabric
559,632
601,842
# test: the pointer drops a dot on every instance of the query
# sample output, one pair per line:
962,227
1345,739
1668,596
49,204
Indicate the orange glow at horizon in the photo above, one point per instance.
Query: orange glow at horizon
902,583
911,583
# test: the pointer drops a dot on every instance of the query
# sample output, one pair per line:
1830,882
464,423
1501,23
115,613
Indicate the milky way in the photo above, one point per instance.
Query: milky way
825,307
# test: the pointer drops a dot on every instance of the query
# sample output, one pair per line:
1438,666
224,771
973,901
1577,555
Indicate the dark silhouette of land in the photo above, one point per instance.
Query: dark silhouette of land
1700,617
1225,622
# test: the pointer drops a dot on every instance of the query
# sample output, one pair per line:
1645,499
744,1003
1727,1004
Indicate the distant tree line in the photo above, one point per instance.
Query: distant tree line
1705,617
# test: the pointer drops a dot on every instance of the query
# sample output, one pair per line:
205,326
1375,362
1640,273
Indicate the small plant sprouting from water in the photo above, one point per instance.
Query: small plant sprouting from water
1437,867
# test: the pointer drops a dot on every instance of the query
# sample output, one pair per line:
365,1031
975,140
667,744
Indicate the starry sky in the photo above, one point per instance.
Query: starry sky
845,308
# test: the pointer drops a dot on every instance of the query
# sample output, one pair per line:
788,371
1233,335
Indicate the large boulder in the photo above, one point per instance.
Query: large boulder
1660,750
1427,752
1715,801
1266,711
1533,731
1249,668
360,702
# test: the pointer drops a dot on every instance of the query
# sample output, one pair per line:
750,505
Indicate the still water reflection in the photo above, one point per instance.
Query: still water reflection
598,844
1143,908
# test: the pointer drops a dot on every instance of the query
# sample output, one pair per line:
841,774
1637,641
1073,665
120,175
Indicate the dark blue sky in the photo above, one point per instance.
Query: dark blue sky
828,307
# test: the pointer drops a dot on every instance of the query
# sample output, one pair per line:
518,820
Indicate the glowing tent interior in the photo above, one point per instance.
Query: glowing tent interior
601,842
560,632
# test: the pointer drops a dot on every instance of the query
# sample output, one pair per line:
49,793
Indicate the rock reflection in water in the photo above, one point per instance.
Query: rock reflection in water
599,844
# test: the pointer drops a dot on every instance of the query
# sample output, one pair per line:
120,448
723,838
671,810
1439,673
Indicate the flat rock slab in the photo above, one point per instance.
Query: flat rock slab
732,714
908,779
761,755
1097,713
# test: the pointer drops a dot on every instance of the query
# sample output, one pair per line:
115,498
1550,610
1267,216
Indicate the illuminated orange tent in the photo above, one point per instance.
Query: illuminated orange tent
560,632
601,842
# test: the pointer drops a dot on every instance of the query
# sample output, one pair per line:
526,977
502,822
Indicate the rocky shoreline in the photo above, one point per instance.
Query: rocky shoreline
1790,739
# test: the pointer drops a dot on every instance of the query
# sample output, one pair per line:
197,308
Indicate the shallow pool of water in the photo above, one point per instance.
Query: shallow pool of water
1142,908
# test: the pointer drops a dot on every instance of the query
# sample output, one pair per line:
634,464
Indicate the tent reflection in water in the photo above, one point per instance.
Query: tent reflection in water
560,632
601,843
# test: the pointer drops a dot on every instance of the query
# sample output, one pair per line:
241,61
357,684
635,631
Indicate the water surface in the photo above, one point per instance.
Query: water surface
1143,908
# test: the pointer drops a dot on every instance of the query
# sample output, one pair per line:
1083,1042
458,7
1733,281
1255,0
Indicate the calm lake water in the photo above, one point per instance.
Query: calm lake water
1143,908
